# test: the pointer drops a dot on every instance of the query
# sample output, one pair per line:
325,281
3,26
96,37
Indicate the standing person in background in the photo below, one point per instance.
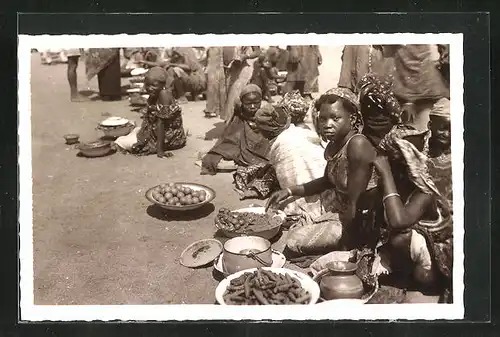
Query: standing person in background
313,61
418,84
239,61
73,59
216,83
357,61
105,63
302,68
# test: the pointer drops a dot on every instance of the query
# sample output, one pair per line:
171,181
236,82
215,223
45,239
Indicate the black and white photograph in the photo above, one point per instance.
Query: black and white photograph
189,177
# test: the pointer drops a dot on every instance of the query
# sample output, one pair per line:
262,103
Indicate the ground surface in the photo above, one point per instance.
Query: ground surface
97,240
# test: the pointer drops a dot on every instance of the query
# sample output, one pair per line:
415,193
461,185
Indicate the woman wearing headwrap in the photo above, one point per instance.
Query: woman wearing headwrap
420,229
295,106
296,155
259,180
240,141
162,127
239,68
440,149
349,173
380,108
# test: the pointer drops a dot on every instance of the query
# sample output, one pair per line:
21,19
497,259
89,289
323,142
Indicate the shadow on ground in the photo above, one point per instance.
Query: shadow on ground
216,132
166,215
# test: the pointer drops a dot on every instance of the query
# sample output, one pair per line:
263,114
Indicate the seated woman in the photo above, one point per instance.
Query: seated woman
187,73
240,142
380,108
420,229
162,127
440,149
348,174
295,155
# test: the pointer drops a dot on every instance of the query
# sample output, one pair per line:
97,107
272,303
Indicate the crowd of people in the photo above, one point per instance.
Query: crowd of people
374,170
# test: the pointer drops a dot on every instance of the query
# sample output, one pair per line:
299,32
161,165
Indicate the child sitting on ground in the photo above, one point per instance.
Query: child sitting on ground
162,127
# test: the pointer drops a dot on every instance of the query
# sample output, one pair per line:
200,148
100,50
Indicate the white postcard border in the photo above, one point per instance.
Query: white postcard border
32,312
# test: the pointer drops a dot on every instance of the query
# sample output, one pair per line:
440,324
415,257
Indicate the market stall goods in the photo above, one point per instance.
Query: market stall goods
246,222
264,287
178,195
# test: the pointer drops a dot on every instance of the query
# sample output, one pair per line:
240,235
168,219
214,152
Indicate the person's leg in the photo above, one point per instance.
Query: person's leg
178,84
72,79
109,80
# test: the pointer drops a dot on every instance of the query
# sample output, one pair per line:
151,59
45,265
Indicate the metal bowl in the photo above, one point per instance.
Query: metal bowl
118,131
196,187
97,148
265,234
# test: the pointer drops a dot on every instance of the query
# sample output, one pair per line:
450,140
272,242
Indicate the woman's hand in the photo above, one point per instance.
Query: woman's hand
382,164
276,198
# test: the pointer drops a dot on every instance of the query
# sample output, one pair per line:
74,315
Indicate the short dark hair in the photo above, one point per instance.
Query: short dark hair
332,99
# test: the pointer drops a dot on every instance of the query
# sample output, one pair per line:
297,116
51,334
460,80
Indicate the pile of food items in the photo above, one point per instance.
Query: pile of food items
178,195
246,222
263,287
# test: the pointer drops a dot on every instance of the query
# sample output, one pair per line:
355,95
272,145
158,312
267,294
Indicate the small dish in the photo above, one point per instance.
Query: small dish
71,138
279,261
114,121
200,253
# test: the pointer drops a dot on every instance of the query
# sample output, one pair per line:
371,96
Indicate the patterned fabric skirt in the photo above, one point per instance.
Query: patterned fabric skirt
256,181
175,137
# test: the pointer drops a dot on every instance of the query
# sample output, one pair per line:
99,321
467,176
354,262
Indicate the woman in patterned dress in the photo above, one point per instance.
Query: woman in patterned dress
162,127
349,174
419,244
440,149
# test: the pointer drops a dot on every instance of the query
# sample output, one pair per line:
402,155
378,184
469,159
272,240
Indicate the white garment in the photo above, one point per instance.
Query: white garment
298,158
126,142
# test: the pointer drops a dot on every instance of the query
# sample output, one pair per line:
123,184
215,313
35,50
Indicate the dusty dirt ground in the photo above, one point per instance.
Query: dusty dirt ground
97,240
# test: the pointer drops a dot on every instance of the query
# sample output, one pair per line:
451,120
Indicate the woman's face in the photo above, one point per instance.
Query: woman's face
250,103
334,121
440,131
153,87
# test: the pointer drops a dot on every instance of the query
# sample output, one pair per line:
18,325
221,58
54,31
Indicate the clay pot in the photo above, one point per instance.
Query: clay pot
339,281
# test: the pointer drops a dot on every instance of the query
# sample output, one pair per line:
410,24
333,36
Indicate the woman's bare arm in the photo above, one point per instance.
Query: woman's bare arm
313,187
360,156
401,216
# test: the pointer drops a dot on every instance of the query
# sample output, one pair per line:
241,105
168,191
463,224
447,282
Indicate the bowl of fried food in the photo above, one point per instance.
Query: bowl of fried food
180,196
267,286
251,221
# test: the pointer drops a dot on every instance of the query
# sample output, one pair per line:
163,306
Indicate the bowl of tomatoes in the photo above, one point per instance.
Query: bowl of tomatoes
180,196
